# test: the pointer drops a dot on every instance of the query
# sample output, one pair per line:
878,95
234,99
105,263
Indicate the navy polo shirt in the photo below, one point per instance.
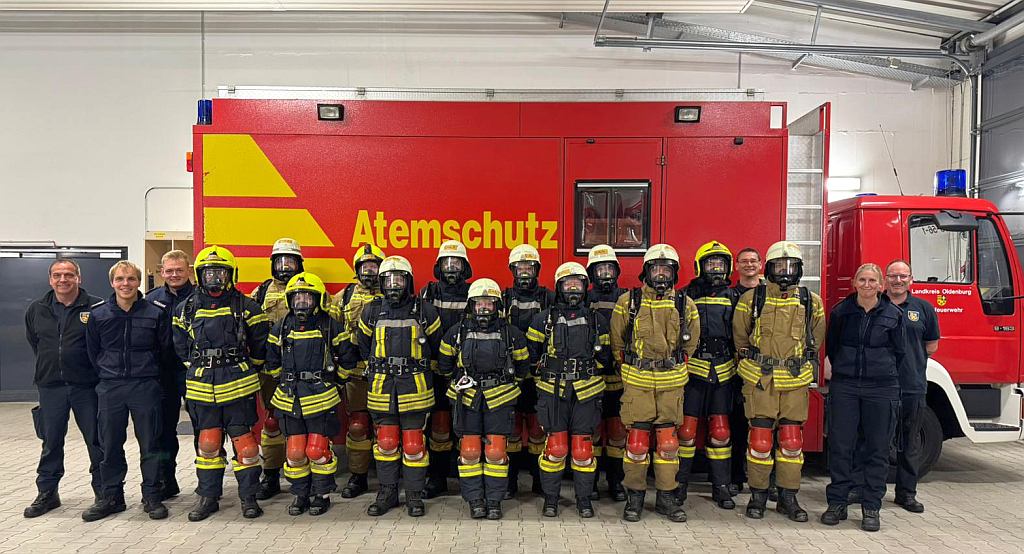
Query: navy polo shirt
922,325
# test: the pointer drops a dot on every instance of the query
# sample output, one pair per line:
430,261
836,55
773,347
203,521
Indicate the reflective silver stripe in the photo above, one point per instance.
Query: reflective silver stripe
571,322
602,305
450,305
531,305
397,323
483,336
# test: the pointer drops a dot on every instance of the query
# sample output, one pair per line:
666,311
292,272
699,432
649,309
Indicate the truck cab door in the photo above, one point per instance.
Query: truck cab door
963,269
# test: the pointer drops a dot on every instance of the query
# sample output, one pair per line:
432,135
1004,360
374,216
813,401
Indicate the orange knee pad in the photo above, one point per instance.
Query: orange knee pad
556,448
688,431
388,438
668,442
718,429
470,449
582,450
441,425
359,425
791,440
496,449
412,444
615,431
638,443
271,427
210,442
761,441
247,448
533,428
318,449
296,450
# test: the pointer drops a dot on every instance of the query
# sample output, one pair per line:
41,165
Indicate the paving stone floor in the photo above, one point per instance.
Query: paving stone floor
973,498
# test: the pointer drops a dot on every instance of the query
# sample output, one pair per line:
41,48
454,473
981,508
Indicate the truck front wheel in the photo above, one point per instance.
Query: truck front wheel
928,442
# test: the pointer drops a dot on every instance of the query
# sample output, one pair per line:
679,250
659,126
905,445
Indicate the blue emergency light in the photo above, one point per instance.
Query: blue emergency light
205,112
951,182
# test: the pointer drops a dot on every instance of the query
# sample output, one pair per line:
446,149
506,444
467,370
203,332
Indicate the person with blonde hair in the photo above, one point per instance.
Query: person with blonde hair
865,345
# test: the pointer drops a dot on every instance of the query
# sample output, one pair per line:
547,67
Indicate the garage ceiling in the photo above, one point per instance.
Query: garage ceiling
508,6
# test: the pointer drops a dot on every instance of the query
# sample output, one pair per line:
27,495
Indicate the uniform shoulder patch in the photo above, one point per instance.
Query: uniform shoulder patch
913,315
83,317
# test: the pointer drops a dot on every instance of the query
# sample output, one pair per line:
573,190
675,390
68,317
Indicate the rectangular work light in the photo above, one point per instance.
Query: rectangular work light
330,112
687,114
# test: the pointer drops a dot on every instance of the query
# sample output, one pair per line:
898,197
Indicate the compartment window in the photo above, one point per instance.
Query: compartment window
937,255
617,214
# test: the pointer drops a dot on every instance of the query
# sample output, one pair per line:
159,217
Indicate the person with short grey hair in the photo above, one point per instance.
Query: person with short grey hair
66,380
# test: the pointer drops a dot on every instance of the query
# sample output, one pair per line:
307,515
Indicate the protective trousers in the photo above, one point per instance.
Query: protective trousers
612,440
395,459
271,441
237,419
483,459
359,441
570,425
644,410
440,442
708,404
767,408
311,465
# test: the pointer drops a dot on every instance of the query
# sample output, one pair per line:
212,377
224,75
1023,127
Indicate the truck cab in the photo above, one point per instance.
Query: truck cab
963,263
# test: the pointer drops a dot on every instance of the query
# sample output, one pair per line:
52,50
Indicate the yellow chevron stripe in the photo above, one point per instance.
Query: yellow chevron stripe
262,226
234,165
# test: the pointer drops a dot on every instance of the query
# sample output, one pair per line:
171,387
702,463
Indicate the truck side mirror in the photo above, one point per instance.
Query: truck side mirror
956,222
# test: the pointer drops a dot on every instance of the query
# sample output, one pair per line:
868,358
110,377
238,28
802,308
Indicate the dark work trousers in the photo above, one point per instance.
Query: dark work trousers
574,417
236,419
738,429
172,391
392,468
858,410
119,398
908,460
56,403
483,480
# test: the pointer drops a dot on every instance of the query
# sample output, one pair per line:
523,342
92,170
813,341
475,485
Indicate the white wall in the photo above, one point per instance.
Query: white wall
93,118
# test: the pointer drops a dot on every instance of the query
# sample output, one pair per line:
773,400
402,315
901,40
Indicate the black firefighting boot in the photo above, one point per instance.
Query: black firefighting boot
869,520
387,498
789,506
477,509
206,507
584,507
615,488
550,508
44,502
298,506
834,514
414,503
494,510
436,486
319,505
758,502
681,492
356,485
666,505
270,484
155,508
720,494
250,508
634,505
108,505
169,488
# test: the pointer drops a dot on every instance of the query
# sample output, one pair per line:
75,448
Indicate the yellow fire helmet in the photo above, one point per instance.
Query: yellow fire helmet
713,248
523,253
395,263
286,246
216,256
783,249
601,253
570,268
365,253
309,282
484,287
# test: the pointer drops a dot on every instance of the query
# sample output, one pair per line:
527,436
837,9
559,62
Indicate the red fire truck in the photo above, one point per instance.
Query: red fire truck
565,176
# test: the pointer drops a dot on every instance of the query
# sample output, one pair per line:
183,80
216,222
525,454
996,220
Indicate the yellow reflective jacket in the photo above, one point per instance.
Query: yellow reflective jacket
779,332
656,337
348,313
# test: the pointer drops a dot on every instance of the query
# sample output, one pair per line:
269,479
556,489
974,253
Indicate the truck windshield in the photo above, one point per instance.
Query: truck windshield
937,255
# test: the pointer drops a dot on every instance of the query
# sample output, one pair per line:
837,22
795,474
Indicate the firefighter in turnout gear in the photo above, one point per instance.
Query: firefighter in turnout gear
485,357
522,302
285,263
570,347
347,306
448,294
303,352
399,337
777,329
708,395
603,270
654,329
221,335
